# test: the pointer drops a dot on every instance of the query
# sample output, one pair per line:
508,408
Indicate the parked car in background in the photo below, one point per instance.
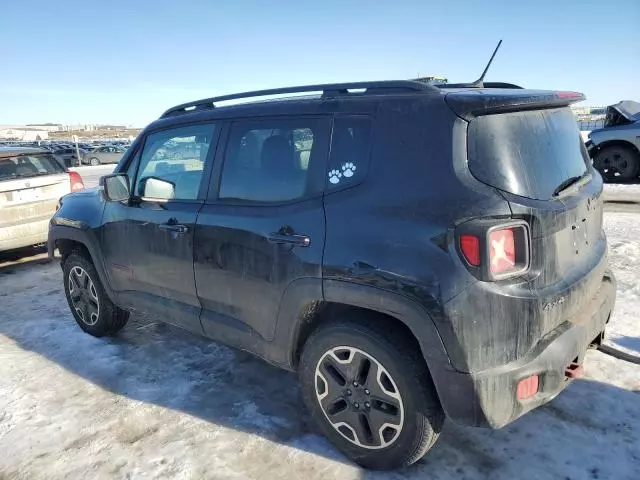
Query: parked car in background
615,148
67,155
100,155
31,184
314,233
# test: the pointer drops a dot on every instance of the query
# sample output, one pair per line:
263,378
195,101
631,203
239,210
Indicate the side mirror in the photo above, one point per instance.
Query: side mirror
154,187
116,187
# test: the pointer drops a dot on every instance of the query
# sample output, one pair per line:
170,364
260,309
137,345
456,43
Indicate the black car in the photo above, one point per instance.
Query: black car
414,252
67,156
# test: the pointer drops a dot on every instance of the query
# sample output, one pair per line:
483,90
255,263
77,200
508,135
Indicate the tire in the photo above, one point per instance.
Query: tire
617,163
93,161
94,312
413,415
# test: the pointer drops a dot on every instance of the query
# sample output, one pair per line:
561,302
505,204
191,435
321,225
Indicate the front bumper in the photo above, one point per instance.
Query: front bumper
488,398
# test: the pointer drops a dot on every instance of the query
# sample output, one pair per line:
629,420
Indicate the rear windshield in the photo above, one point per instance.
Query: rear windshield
527,153
33,165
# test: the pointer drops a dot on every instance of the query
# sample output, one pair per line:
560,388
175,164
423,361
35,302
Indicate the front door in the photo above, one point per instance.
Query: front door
150,239
263,225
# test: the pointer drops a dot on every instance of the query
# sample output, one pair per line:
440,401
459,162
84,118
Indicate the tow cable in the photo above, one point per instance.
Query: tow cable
619,354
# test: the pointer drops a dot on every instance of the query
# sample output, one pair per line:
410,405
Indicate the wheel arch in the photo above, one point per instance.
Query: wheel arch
300,314
615,143
68,239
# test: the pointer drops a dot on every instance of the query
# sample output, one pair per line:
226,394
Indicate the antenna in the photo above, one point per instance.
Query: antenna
479,81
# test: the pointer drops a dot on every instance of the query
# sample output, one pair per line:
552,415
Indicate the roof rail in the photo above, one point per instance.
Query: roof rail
328,90
484,85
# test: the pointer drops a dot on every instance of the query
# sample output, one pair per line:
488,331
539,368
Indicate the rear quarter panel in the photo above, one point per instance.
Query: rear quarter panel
392,232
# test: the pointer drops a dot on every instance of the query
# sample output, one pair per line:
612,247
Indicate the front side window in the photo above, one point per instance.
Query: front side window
172,163
271,160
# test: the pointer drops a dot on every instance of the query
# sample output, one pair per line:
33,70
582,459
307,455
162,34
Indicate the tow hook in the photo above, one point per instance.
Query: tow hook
574,370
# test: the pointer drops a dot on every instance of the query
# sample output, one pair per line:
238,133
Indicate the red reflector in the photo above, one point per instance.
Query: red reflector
502,248
76,181
527,388
470,247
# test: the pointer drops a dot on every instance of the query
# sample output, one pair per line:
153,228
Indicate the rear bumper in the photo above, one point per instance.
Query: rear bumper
24,234
488,398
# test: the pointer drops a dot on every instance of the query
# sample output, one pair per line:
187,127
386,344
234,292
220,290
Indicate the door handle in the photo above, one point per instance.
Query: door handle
171,227
290,239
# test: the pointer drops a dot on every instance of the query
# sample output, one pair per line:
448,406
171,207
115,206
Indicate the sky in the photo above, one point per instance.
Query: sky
125,61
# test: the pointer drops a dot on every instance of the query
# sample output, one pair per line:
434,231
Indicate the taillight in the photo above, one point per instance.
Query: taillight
502,250
495,252
470,246
76,181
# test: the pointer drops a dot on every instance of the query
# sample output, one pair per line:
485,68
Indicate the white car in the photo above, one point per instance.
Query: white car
31,184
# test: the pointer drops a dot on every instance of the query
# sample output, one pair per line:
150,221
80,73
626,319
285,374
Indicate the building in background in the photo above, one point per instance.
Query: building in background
23,133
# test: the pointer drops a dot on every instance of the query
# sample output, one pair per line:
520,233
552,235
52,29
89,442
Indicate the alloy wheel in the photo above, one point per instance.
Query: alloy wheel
359,397
84,295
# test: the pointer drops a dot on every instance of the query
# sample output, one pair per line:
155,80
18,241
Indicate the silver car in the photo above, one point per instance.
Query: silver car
100,155
31,184
615,149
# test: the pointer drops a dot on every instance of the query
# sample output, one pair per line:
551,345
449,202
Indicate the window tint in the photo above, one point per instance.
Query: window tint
29,166
172,162
349,158
271,160
527,153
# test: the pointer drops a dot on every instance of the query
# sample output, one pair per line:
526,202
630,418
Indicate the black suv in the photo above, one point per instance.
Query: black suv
413,251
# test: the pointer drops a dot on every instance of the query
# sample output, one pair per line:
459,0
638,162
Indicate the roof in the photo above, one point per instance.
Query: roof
13,151
331,90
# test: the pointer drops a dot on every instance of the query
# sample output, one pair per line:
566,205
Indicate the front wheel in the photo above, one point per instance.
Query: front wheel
370,393
94,162
92,309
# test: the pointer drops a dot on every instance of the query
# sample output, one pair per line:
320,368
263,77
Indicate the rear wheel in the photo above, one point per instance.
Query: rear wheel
617,163
370,393
92,309
94,161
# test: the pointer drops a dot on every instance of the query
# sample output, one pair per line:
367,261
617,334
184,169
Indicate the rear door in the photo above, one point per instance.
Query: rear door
30,187
262,227
111,155
148,242
538,161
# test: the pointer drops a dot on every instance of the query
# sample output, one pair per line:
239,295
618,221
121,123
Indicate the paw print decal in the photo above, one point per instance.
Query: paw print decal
335,176
348,169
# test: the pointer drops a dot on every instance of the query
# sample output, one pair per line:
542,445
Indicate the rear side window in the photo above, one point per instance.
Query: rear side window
29,166
273,160
527,153
349,157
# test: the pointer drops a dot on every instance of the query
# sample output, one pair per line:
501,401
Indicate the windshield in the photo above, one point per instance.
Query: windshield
24,166
529,153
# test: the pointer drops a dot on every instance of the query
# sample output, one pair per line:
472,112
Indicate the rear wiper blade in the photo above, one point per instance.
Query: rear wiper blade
568,183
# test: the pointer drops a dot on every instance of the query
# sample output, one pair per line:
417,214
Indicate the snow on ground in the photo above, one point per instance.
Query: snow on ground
633,188
156,402
614,192
623,233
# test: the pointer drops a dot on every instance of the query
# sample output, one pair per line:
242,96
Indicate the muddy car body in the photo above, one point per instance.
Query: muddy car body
414,252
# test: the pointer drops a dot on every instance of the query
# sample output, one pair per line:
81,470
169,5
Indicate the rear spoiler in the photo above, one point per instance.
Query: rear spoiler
469,103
